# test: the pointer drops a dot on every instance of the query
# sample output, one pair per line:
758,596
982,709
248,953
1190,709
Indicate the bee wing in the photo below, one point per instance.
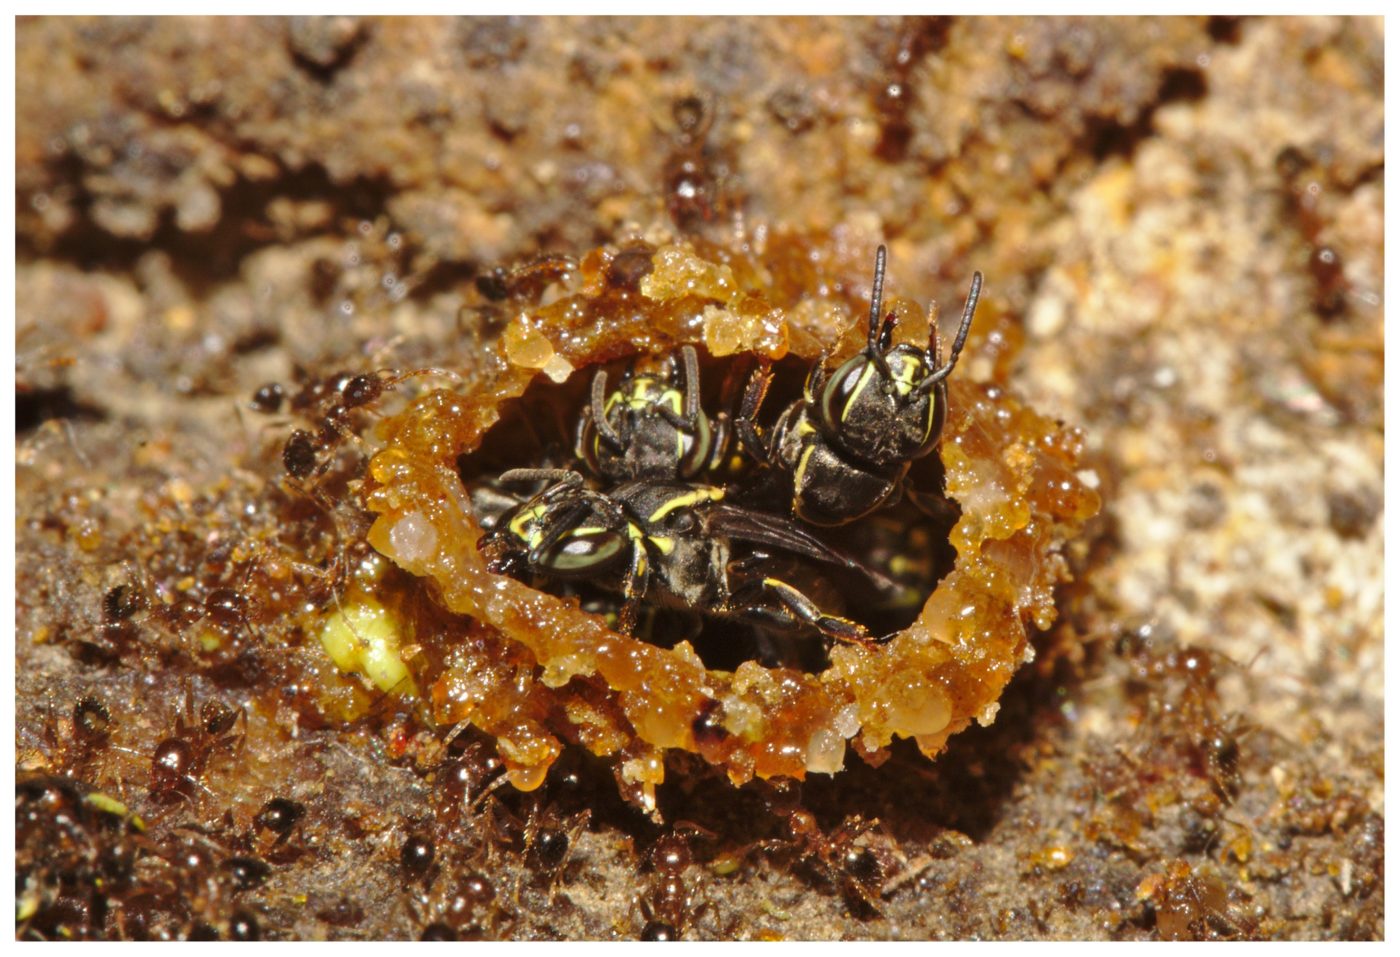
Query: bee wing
762,528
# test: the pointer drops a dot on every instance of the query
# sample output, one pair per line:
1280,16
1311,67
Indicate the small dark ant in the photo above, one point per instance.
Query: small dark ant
835,858
668,903
92,722
329,401
526,282
246,873
544,836
547,845
471,771
118,628
695,172
269,398
278,816
461,910
416,856
243,926
180,759
299,454
226,608
74,744
120,603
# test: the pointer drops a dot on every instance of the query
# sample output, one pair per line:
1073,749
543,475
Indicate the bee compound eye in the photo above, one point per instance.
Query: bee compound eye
583,550
696,448
853,377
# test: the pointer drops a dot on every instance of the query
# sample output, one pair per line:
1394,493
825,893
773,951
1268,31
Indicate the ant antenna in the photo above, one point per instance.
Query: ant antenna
969,308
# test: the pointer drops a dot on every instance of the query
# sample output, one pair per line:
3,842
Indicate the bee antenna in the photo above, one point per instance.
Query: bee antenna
600,419
878,337
526,476
877,295
691,364
969,308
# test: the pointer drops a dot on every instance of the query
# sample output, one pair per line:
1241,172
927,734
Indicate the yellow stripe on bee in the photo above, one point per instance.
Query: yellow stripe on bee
664,544
705,494
801,469
864,381
640,397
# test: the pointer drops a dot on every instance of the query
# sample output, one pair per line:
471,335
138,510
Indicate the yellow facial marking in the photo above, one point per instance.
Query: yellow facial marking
535,513
904,368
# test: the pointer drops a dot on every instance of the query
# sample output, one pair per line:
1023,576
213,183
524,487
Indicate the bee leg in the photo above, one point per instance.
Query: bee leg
969,308
634,587
745,423
935,506
831,626
816,377
719,444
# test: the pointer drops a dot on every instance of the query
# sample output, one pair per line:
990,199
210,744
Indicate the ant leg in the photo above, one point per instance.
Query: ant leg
681,423
932,504
719,443
816,376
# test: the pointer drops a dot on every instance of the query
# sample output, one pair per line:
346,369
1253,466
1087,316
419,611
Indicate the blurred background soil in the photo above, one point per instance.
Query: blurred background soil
1180,222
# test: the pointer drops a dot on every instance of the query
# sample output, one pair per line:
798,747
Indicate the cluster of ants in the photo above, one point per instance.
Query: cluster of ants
670,510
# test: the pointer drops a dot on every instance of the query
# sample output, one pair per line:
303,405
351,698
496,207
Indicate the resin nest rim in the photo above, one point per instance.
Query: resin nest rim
536,672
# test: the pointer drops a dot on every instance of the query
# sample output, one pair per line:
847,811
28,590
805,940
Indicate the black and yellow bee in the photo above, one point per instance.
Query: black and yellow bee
652,425
643,522
848,442
676,544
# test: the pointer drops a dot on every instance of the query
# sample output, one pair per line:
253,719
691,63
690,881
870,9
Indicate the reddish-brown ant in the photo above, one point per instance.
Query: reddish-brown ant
668,904
328,404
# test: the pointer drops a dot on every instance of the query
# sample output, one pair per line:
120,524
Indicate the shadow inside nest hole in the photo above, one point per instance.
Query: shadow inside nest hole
965,789
916,801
